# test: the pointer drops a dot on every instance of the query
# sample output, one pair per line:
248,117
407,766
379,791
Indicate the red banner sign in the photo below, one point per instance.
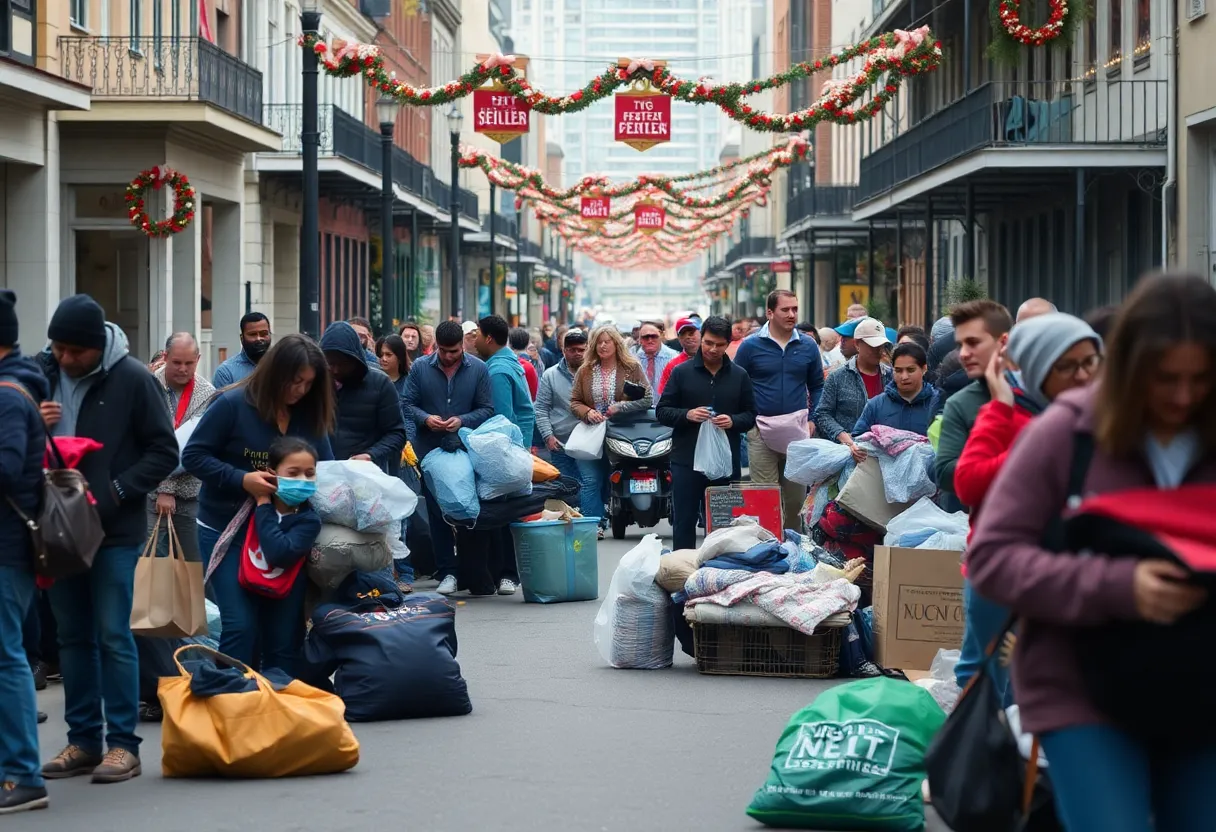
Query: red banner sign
499,115
643,119
595,209
649,217
781,267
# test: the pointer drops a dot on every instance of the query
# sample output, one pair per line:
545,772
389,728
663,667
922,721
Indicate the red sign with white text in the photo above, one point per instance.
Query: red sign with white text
781,267
499,115
595,208
643,119
649,217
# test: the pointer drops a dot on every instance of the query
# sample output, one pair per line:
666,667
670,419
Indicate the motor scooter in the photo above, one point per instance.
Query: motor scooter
639,460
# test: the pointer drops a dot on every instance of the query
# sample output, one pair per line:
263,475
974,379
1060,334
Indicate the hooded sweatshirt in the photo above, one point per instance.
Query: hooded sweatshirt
369,419
119,404
21,451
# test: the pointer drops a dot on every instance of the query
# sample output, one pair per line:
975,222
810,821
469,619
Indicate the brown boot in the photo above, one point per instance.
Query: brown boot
118,765
72,761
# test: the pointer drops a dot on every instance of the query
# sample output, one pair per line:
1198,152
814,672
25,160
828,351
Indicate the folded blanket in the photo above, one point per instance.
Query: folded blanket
763,557
794,599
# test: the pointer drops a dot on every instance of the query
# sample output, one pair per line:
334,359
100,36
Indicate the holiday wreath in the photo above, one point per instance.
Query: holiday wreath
183,201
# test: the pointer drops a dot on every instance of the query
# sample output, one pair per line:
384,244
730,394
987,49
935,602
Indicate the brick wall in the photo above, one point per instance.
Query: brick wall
405,42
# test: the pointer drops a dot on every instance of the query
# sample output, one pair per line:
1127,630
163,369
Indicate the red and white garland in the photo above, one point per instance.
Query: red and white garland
183,201
1007,11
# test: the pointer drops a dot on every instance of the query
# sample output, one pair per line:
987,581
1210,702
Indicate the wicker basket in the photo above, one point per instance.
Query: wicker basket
730,650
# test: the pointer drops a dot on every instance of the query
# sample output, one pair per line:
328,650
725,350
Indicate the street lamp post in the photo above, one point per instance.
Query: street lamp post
493,255
310,145
386,112
521,290
455,118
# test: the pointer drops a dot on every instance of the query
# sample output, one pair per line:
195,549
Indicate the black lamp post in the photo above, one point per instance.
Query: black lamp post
310,145
455,118
521,290
386,111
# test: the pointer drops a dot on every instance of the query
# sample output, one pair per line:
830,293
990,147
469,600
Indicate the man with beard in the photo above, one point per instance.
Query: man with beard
255,340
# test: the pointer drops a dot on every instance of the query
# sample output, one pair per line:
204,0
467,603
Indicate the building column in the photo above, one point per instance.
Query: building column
286,313
160,292
32,266
227,289
187,277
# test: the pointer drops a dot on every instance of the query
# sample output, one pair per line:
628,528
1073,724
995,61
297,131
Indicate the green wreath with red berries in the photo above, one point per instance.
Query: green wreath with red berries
1010,31
154,179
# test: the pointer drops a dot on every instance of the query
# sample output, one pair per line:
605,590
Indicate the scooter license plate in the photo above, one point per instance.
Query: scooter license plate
647,486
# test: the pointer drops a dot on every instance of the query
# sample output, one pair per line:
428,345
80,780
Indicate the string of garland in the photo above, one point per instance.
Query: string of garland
896,55
1010,32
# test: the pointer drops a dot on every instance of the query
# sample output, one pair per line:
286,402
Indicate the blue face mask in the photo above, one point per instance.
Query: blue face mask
293,492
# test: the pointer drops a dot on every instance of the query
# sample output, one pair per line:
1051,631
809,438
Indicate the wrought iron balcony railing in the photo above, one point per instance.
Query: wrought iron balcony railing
750,247
821,201
163,68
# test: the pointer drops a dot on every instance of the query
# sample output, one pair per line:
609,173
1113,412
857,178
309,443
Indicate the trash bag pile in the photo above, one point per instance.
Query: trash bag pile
502,463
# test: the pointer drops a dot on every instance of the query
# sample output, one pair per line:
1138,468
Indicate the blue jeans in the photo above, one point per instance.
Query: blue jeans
19,714
1105,781
97,653
592,500
981,624
259,631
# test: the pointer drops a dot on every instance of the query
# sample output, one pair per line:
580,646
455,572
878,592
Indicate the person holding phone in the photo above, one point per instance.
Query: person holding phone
290,393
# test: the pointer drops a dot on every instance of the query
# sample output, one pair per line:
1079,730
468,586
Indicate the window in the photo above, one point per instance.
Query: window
157,31
175,15
137,23
1114,54
78,12
1144,28
1091,48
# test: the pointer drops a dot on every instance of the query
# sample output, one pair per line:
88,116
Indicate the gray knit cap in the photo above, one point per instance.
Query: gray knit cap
1036,345
942,328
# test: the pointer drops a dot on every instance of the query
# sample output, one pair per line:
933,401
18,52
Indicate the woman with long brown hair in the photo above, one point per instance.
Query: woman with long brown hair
1084,536
290,393
599,394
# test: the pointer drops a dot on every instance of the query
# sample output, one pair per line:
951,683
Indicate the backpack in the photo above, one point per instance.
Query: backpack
66,531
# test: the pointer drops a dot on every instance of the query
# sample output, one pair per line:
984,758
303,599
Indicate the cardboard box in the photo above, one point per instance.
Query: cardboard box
918,605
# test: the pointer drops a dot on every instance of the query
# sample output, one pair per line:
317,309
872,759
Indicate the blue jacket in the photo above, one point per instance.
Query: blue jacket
784,381
368,419
429,392
509,391
287,539
892,410
22,443
235,369
230,441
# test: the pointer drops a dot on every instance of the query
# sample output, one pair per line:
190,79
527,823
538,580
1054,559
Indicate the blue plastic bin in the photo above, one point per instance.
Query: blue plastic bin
558,560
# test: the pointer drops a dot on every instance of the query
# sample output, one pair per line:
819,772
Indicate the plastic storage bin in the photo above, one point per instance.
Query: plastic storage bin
558,560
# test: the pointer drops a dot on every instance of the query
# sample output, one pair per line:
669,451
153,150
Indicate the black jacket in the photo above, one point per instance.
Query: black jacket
691,386
369,411
22,443
124,410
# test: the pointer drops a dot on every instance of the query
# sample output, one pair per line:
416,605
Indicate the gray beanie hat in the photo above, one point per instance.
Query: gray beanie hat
942,328
1037,344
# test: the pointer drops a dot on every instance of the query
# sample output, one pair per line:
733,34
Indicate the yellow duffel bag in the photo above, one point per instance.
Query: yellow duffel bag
260,732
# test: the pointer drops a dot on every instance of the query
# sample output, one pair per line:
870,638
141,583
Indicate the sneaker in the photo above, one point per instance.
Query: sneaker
151,712
599,533
15,798
72,761
39,676
507,587
42,717
447,586
118,765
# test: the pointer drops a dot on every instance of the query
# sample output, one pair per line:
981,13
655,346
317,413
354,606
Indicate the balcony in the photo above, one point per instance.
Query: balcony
750,249
1065,119
503,226
345,137
169,80
820,206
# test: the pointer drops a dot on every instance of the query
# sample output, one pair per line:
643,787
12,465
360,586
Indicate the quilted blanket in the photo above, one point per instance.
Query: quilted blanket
794,598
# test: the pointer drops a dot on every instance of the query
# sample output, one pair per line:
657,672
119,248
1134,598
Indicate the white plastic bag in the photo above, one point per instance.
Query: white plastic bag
633,627
940,683
502,465
926,526
587,441
449,476
812,461
183,434
356,494
712,456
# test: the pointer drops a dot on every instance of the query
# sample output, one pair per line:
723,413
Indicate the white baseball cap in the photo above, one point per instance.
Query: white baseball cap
872,332
468,326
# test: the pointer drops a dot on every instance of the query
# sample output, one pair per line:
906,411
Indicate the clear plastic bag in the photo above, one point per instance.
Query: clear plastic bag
940,683
502,465
712,456
358,495
926,526
633,627
812,461
449,476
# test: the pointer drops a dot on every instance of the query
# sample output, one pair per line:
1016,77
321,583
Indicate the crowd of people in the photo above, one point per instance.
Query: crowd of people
1015,406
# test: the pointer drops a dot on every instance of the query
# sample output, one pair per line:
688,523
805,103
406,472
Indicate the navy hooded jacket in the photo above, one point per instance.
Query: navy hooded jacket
894,411
369,417
22,443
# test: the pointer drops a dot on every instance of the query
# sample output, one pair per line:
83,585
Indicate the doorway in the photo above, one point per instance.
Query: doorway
112,266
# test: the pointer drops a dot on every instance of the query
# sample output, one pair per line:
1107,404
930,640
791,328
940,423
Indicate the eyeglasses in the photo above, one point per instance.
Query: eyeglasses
1070,368
650,337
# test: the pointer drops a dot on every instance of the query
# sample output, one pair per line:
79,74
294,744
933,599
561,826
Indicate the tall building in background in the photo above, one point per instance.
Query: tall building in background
570,41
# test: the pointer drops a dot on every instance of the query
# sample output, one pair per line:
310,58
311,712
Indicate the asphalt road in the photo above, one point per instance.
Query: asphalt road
556,741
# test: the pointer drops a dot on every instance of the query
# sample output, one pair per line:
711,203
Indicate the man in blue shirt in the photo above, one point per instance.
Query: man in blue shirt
787,376
255,341
444,392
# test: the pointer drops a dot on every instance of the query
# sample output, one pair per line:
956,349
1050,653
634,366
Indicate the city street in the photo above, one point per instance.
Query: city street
556,741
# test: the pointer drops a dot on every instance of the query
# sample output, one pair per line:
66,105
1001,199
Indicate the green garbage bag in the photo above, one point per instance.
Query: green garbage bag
854,759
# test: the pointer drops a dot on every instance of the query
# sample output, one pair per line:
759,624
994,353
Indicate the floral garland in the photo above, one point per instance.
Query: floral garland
1008,14
896,55
183,201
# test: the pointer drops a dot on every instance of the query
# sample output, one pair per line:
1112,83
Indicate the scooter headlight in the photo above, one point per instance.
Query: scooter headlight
621,448
660,448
